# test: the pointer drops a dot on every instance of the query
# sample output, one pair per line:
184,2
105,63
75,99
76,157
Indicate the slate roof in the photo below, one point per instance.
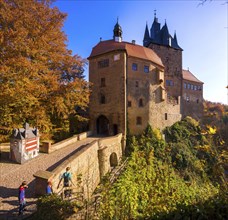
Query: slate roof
20,133
187,75
131,49
160,36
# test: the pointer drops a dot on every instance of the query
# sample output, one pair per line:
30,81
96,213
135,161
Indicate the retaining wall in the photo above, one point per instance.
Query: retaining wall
91,163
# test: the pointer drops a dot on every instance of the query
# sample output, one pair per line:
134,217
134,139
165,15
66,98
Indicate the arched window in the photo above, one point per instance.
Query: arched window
113,160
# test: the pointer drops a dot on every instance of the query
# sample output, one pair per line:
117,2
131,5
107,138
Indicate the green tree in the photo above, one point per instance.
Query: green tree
41,82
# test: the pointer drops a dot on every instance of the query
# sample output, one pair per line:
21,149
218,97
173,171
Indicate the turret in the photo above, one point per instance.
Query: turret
146,39
117,32
155,28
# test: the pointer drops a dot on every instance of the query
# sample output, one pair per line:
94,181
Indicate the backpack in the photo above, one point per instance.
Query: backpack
66,177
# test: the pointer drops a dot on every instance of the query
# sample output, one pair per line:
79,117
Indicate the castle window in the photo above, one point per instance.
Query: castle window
140,102
102,82
138,121
185,85
102,99
192,87
195,87
166,116
136,84
169,82
129,103
146,69
134,66
197,100
199,88
189,86
103,63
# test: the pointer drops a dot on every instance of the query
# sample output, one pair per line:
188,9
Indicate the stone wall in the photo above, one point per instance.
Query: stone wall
112,88
47,147
192,100
91,163
155,109
172,60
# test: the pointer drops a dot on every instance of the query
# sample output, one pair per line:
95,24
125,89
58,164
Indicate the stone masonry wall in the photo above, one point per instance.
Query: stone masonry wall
113,89
149,87
92,162
172,60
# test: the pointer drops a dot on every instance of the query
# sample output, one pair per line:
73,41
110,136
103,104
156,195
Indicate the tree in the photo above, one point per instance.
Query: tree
41,82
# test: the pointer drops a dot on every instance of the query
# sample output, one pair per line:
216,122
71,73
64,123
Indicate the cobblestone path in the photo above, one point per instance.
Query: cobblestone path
12,175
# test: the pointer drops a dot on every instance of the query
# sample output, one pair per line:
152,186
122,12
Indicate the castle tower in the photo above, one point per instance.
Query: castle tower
170,53
127,88
180,84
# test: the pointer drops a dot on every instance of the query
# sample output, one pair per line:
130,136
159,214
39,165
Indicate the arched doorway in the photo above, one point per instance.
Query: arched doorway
102,125
113,160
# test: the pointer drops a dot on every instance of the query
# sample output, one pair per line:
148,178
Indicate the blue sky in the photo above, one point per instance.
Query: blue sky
201,31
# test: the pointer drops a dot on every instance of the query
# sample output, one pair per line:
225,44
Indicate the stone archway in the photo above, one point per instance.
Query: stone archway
113,160
102,125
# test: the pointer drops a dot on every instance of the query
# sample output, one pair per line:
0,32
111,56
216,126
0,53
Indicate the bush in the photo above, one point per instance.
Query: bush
51,207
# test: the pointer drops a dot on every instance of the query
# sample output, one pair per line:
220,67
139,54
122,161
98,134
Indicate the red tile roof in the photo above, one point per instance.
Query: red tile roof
131,49
187,75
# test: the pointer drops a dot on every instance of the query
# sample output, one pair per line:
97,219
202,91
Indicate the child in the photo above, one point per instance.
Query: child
49,188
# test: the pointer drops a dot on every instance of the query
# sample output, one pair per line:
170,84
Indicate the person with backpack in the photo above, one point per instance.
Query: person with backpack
67,178
21,197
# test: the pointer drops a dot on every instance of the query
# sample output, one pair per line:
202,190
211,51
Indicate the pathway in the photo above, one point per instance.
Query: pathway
12,174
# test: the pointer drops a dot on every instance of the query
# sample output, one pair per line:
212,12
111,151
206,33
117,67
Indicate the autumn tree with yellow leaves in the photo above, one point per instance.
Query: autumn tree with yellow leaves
41,82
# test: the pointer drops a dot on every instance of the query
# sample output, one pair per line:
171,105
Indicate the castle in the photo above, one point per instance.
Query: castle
134,85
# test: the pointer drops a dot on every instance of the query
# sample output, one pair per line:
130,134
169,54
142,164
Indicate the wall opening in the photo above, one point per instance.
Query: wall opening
113,160
102,125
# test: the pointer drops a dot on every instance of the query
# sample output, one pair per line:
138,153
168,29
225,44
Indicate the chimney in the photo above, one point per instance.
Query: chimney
133,42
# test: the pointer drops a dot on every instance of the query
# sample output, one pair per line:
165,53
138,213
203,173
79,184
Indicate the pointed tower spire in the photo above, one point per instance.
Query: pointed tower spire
146,39
165,36
155,28
117,32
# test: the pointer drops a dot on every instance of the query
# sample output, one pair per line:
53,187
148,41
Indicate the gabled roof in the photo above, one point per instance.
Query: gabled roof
187,75
131,49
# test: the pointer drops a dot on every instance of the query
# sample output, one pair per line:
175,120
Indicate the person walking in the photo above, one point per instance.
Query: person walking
67,178
21,197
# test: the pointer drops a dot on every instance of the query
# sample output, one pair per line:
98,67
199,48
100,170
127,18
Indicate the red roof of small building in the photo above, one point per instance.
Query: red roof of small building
131,49
187,75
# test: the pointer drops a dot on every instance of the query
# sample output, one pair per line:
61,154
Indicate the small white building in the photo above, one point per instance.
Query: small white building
24,144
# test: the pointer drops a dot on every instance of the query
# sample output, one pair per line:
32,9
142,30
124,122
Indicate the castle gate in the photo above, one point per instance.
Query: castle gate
102,125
